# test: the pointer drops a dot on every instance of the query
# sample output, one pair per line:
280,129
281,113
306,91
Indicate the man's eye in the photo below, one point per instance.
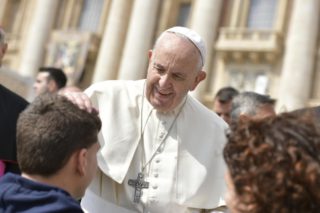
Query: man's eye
178,77
159,69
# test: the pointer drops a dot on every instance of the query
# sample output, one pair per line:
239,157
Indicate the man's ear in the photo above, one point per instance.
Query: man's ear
81,161
200,77
52,86
149,54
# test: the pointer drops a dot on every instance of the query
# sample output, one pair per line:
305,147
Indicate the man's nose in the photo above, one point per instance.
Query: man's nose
164,80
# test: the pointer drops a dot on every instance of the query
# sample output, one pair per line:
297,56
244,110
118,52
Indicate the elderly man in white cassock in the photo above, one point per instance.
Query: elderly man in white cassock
161,150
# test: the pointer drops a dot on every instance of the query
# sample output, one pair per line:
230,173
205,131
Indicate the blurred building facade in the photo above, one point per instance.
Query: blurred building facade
268,46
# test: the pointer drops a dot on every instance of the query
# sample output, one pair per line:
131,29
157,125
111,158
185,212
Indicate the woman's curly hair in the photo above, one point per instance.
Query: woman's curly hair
274,165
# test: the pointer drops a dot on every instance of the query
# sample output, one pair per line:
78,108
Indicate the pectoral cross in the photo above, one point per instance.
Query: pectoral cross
138,185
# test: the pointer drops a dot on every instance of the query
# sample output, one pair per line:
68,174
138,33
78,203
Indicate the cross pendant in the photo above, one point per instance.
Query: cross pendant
138,185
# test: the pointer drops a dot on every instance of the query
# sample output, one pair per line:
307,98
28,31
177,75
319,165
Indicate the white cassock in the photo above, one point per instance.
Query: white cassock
180,151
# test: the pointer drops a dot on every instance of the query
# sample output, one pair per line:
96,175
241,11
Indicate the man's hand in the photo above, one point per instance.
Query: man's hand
81,100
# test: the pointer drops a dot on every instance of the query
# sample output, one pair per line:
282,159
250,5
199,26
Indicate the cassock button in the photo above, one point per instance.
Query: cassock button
162,134
155,187
159,150
156,175
157,161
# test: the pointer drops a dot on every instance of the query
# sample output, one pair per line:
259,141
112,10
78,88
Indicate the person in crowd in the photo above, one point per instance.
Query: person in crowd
222,102
252,105
161,149
11,105
56,149
49,80
273,165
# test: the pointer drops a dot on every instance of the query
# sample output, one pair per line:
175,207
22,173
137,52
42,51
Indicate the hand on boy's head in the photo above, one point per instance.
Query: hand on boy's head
81,100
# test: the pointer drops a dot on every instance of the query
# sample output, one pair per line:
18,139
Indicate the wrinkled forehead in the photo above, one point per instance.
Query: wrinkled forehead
174,39
192,37
178,48
174,42
166,37
172,47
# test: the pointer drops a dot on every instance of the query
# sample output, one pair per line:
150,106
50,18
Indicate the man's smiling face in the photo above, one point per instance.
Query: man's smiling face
174,70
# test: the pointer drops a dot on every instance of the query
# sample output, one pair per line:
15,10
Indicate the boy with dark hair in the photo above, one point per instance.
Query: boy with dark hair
56,150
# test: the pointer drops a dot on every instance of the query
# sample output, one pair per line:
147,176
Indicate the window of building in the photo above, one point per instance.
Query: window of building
90,15
184,13
249,77
261,14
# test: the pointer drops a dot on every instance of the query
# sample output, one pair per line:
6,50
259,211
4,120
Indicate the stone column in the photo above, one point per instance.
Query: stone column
113,41
280,15
139,39
38,35
219,78
296,76
205,19
3,5
235,14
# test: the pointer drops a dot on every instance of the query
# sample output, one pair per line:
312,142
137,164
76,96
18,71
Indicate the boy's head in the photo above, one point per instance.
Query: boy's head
53,135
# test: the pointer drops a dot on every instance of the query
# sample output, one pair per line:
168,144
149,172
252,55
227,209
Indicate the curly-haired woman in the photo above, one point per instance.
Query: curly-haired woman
274,166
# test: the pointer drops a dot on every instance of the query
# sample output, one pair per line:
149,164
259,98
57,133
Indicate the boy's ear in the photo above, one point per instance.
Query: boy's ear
52,86
81,161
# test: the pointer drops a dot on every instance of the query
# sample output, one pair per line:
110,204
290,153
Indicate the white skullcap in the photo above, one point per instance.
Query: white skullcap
194,37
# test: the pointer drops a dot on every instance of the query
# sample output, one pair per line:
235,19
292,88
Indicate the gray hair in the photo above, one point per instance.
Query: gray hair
248,103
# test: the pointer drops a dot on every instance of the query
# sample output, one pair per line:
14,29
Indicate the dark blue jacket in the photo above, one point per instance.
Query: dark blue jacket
18,194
